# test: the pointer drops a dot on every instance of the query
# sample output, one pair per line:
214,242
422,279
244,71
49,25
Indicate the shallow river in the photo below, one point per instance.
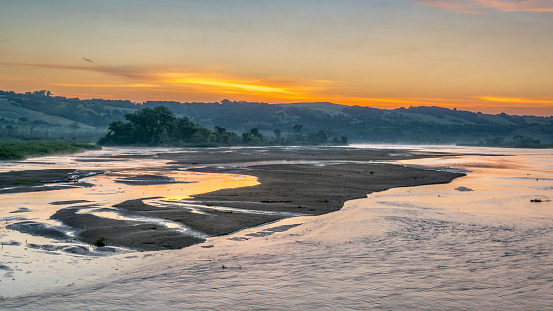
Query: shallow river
476,243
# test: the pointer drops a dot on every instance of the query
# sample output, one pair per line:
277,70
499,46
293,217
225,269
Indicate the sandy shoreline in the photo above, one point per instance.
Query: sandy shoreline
306,181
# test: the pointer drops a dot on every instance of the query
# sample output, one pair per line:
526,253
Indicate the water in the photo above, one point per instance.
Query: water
429,247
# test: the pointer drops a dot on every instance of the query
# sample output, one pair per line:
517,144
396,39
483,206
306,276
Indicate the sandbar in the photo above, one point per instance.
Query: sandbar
292,181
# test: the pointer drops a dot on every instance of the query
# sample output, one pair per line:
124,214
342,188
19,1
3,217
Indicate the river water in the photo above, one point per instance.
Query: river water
476,243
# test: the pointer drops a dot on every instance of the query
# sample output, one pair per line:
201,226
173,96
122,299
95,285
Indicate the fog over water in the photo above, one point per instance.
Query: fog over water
476,243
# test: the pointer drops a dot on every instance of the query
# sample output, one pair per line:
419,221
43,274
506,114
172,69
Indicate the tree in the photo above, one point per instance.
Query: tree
185,129
220,130
328,132
297,128
12,130
255,133
246,137
344,140
152,126
42,93
277,135
75,127
317,137
118,133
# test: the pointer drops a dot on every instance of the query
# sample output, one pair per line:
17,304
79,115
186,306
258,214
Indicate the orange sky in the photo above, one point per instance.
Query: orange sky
481,55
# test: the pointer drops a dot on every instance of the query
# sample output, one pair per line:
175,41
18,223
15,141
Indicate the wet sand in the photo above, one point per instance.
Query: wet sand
36,180
293,181
316,190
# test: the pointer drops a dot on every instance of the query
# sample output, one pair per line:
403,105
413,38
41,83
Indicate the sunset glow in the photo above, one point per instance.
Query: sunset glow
382,53
221,84
518,100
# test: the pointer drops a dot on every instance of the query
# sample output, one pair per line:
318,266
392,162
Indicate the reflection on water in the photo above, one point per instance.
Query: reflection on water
39,252
429,247
204,209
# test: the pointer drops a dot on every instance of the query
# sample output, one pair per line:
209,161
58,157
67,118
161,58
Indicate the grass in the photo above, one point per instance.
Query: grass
101,242
27,181
10,111
18,150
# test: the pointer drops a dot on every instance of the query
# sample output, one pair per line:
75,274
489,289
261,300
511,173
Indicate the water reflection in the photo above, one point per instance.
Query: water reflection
28,231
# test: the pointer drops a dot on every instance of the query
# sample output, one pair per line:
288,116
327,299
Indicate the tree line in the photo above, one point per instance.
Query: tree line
159,126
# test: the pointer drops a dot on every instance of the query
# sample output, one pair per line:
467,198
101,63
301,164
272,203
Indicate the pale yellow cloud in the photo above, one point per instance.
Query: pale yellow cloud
221,83
517,100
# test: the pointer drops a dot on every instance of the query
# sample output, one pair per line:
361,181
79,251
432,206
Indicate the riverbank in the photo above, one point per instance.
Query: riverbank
17,150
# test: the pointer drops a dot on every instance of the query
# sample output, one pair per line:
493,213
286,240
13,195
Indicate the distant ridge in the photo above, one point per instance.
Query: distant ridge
42,111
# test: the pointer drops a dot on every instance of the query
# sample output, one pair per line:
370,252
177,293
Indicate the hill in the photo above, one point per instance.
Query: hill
37,113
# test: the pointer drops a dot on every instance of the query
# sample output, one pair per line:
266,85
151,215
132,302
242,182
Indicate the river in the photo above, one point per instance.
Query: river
476,243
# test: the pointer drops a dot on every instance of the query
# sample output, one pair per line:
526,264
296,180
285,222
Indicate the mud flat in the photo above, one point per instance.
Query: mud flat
43,180
316,190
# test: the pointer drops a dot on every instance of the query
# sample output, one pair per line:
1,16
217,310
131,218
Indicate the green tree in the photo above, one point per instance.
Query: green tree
42,93
220,130
255,133
185,129
317,137
152,126
246,137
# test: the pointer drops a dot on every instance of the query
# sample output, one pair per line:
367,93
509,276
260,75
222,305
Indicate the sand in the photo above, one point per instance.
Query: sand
293,181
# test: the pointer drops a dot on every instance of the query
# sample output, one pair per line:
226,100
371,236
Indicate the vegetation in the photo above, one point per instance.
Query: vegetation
159,126
27,181
101,242
14,150
518,141
41,115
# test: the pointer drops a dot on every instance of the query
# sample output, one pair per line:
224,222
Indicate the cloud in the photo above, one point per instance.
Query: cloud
482,6
520,5
517,100
88,60
222,83
196,79
461,6
131,72
137,85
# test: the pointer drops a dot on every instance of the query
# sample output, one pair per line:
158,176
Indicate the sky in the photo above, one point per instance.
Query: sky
490,56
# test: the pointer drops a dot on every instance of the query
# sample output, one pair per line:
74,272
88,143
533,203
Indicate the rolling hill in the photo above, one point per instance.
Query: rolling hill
88,120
